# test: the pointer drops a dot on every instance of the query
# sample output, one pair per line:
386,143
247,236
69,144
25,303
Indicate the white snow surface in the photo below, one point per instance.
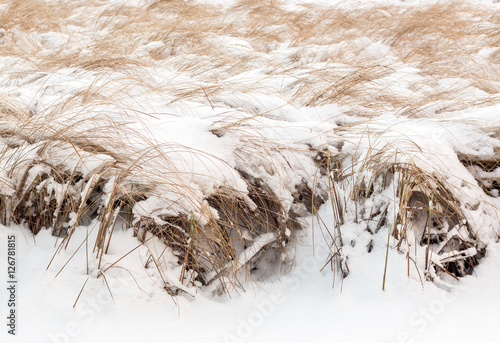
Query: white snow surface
71,302
300,307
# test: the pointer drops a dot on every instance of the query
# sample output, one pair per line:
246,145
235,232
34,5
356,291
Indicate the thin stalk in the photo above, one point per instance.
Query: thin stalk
386,257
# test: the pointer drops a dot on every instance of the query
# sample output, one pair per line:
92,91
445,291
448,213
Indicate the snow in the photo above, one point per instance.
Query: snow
192,126
299,307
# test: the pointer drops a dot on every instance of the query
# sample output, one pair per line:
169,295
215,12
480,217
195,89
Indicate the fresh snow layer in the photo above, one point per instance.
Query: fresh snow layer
175,111
300,307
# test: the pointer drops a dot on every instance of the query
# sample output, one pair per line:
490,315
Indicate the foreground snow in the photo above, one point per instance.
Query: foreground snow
300,307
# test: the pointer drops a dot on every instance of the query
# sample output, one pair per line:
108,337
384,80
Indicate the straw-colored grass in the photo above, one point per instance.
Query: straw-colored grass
69,161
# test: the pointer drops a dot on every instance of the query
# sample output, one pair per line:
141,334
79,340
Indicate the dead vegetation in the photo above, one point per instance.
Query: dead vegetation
72,175
427,214
486,170
322,56
442,41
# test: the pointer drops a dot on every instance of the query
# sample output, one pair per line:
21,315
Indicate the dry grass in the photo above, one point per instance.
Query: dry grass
440,40
426,210
218,238
39,16
355,58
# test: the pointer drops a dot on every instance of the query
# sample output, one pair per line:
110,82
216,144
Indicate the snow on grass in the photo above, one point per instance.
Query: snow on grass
158,154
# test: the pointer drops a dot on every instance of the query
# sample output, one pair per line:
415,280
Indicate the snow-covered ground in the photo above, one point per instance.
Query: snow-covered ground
173,102
299,307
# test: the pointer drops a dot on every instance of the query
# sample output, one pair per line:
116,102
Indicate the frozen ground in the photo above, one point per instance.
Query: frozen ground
300,307
182,99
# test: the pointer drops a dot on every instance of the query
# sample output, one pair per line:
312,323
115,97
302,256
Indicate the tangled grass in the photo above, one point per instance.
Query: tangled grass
83,83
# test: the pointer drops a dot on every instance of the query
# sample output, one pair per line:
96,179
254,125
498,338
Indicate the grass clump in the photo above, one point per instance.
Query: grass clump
281,90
